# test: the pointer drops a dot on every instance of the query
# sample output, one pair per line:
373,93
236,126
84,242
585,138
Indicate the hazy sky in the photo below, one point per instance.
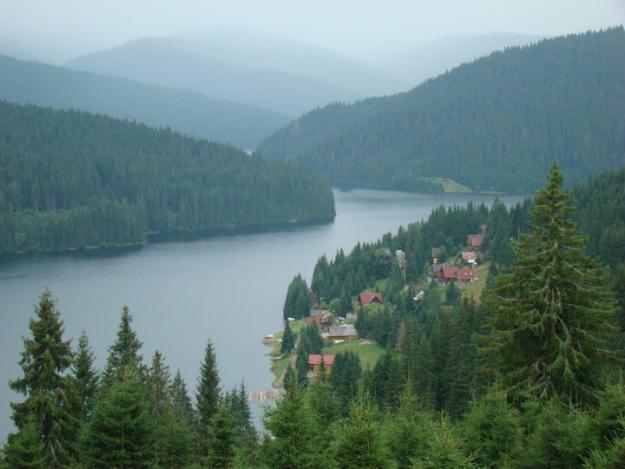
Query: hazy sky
58,30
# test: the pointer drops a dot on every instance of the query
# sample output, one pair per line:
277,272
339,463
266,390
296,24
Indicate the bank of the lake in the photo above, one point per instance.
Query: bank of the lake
228,288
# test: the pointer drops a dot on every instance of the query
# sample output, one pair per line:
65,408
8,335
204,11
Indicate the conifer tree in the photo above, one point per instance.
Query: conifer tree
358,442
160,407
124,353
120,433
207,396
292,440
288,339
444,449
181,401
407,430
552,310
85,377
222,437
301,366
25,450
48,404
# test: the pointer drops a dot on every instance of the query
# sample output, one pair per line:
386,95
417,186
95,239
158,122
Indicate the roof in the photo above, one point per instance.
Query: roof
465,274
475,240
315,359
436,252
437,268
369,297
449,272
468,256
345,330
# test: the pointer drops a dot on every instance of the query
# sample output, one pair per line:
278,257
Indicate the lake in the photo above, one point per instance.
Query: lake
229,288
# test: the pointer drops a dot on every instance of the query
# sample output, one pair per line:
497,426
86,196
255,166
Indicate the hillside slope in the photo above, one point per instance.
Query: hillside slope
189,112
73,180
183,64
494,124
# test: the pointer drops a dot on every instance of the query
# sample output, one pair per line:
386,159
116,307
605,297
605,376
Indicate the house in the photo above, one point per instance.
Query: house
401,257
343,333
436,255
314,363
450,273
352,315
466,275
437,271
475,242
369,297
322,318
468,257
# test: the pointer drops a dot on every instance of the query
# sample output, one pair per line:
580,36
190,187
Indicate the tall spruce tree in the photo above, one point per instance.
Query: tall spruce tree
85,377
552,310
48,404
181,400
124,353
292,440
222,438
120,433
288,339
207,396
160,407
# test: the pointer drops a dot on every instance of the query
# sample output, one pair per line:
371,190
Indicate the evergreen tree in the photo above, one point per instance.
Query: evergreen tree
452,294
358,441
407,431
207,396
288,339
301,366
444,449
552,310
292,441
120,433
160,407
298,301
48,404
85,377
25,450
221,439
182,405
124,353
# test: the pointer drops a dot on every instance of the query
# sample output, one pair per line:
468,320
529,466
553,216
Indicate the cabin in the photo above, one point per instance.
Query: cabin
368,298
475,241
449,273
468,257
437,271
322,318
436,255
342,333
466,275
314,363
268,339
351,315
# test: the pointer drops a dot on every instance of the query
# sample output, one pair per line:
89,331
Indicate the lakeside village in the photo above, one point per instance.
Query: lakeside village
339,333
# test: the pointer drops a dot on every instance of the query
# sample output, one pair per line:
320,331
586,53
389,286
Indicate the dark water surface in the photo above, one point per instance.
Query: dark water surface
229,289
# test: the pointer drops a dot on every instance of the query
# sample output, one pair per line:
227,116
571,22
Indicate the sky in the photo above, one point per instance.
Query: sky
56,31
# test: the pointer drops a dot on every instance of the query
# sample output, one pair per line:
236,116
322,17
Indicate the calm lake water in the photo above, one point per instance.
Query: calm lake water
229,289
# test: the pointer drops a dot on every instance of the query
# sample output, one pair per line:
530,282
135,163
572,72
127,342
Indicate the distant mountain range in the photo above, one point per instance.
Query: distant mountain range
283,75
186,111
495,124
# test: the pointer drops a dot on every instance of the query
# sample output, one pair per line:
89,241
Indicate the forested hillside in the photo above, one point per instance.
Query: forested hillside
494,124
74,180
527,376
186,111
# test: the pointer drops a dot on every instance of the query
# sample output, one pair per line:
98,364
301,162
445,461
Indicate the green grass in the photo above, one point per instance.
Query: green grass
369,353
475,289
449,185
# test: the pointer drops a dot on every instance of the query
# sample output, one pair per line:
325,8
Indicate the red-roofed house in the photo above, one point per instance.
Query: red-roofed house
369,297
449,273
475,242
468,257
314,362
466,275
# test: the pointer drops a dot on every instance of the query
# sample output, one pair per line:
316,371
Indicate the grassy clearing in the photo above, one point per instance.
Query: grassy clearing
449,185
475,289
369,353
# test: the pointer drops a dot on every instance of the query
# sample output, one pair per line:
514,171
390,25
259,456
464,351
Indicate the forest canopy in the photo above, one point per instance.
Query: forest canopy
73,180
482,124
